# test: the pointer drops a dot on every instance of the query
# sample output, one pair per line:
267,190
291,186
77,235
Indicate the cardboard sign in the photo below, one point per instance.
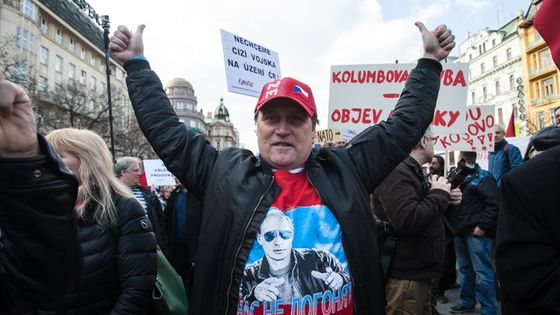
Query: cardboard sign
364,95
249,66
328,135
479,136
157,174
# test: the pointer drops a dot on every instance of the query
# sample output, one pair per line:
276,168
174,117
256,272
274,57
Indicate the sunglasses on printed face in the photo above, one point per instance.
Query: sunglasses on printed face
271,235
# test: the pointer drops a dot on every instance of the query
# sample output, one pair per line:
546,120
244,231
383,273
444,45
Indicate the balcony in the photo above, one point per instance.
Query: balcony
545,100
542,70
535,45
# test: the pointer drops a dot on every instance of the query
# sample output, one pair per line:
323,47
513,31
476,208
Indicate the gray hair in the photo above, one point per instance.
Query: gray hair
428,133
124,163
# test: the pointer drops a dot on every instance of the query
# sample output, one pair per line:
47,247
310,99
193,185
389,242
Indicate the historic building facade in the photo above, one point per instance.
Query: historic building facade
541,77
221,132
181,95
56,50
495,68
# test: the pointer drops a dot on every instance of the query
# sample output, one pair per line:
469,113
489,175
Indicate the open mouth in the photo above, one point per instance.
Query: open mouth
282,144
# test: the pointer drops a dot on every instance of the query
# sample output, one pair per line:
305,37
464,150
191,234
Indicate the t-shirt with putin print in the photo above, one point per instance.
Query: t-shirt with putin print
297,264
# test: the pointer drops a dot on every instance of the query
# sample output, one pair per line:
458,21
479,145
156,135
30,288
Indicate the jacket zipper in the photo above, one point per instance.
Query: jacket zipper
346,249
242,240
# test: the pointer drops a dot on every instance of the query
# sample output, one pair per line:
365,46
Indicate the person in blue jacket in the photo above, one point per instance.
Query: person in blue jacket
505,157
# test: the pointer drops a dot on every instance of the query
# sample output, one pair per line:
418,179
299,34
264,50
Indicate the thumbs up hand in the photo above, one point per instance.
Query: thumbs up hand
125,45
437,43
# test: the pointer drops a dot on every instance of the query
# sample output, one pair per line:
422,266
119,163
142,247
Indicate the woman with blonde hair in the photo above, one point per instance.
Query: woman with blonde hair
117,241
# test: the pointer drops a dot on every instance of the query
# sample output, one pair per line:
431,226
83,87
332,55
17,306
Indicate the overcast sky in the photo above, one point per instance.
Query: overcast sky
182,38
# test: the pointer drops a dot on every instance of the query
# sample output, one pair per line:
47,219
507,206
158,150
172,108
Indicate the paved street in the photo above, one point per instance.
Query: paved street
453,296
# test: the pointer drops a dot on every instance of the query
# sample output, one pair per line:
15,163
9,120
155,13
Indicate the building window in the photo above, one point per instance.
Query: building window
72,71
493,42
18,35
58,37
192,123
180,106
484,93
537,89
482,68
548,87
44,26
44,56
545,58
511,82
58,64
497,85
190,106
473,98
93,60
495,61
42,84
71,45
470,57
83,53
28,8
484,47
83,77
31,42
552,117
508,54
540,120
500,117
20,71
93,83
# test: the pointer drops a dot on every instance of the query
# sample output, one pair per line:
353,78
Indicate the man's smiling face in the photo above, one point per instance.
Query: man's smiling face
285,134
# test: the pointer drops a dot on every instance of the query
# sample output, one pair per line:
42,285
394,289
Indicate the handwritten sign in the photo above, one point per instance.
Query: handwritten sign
479,135
328,135
157,174
249,66
364,95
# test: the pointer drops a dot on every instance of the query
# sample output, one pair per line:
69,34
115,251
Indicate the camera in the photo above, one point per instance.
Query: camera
458,175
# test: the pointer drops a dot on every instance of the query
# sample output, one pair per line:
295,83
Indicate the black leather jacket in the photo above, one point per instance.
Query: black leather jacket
40,256
237,188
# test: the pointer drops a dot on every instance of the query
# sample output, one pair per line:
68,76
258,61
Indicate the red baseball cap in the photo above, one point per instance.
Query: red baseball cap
290,88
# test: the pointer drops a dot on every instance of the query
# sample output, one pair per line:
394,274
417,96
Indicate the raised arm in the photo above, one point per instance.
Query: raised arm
378,149
40,256
186,154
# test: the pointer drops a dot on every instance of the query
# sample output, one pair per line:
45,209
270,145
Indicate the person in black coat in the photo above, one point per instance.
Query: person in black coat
181,218
528,236
118,244
40,256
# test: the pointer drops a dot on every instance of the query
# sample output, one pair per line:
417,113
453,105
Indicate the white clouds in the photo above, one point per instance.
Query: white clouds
182,39
474,6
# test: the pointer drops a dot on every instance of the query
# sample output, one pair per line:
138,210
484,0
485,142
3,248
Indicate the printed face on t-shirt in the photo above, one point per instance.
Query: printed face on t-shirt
276,236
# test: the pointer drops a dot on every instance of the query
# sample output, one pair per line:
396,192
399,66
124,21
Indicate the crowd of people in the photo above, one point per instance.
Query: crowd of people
290,230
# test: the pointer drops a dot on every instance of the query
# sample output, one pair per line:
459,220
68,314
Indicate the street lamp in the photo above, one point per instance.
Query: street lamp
106,25
103,21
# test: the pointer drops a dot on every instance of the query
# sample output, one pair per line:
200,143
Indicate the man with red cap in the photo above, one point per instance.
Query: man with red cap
324,192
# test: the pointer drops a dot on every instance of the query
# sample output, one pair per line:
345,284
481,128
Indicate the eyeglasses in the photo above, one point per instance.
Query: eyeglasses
433,139
271,235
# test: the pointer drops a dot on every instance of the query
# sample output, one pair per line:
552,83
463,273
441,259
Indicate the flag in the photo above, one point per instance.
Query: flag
510,131
547,23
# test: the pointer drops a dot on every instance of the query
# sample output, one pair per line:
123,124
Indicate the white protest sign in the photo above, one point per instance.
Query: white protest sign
479,136
249,66
157,174
364,95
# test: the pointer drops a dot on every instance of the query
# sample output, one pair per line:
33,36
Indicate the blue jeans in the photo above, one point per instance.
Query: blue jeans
477,274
